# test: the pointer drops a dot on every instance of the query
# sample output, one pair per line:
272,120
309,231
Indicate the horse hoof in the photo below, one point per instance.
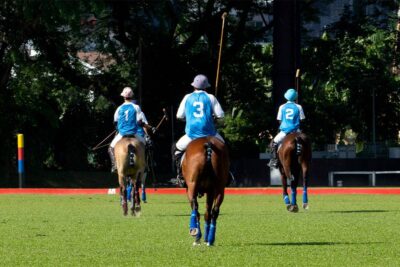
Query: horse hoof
196,243
209,244
193,231
125,208
294,208
305,206
137,211
288,207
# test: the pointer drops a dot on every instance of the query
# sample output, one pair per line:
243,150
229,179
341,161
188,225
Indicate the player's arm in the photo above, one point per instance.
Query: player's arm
217,109
302,116
180,114
116,117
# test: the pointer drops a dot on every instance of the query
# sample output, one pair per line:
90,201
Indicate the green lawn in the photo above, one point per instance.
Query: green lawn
338,230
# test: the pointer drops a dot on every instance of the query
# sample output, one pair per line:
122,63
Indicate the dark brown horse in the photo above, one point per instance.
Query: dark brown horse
295,158
205,168
129,157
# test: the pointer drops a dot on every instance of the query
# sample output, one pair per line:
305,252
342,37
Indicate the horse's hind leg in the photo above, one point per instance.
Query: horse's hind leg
207,216
123,195
136,208
214,216
194,225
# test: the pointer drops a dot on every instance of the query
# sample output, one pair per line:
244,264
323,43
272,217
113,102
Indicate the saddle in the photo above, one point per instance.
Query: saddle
129,136
299,147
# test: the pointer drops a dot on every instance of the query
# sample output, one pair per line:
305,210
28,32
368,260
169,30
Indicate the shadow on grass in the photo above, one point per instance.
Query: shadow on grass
313,243
358,211
184,215
172,215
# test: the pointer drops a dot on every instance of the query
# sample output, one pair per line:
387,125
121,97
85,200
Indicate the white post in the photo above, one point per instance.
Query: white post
330,178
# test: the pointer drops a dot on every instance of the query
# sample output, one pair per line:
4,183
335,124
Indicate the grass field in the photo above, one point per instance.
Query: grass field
338,230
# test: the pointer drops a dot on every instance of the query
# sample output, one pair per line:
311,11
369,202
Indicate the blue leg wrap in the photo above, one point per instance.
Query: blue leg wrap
286,199
206,231
193,220
211,234
128,192
143,195
294,195
198,236
305,195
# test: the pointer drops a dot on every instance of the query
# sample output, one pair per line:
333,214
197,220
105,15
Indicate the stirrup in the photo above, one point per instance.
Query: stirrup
273,163
113,169
178,181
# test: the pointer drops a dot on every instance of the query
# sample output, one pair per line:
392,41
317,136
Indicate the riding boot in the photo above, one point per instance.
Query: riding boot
112,159
177,157
273,162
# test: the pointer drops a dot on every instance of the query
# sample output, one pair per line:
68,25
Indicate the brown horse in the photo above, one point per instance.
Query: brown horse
130,160
205,167
295,158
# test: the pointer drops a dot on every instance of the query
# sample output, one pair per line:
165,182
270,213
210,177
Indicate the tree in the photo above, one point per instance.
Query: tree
344,69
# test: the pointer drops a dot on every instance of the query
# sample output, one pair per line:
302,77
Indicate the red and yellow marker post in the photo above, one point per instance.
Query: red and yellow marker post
21,163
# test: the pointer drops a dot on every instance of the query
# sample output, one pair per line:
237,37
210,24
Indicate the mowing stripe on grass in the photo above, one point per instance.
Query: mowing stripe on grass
229,191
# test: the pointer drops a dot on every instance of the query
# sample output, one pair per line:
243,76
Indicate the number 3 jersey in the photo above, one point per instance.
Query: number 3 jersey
290,115
198,109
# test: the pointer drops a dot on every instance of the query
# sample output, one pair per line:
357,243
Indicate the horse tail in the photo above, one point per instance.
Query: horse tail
131,155
208,147
298,145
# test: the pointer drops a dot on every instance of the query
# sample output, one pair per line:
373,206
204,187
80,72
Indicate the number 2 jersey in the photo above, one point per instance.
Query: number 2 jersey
198,109
290,115
127,116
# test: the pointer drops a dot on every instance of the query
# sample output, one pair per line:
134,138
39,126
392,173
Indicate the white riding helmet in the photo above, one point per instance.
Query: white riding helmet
127,92
200,82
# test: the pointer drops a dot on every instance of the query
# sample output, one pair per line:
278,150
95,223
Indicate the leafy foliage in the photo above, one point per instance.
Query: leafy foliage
65,107
345,69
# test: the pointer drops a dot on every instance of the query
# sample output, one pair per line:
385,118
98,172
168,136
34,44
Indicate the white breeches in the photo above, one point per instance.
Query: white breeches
184,141
119,137
279,137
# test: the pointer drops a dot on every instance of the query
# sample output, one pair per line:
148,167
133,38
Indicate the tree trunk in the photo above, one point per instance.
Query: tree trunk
286,51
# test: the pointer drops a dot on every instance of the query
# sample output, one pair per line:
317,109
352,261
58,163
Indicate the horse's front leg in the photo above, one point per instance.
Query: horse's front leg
214,216
123,196
293,187
143,184
284,190
305,187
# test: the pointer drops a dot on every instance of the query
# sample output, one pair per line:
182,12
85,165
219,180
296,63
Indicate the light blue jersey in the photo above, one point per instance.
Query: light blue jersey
126,118
289,114
140,130
199,116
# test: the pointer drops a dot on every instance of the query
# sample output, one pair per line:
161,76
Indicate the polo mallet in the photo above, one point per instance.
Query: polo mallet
220,51
297,85
99,145
150,155
164,118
